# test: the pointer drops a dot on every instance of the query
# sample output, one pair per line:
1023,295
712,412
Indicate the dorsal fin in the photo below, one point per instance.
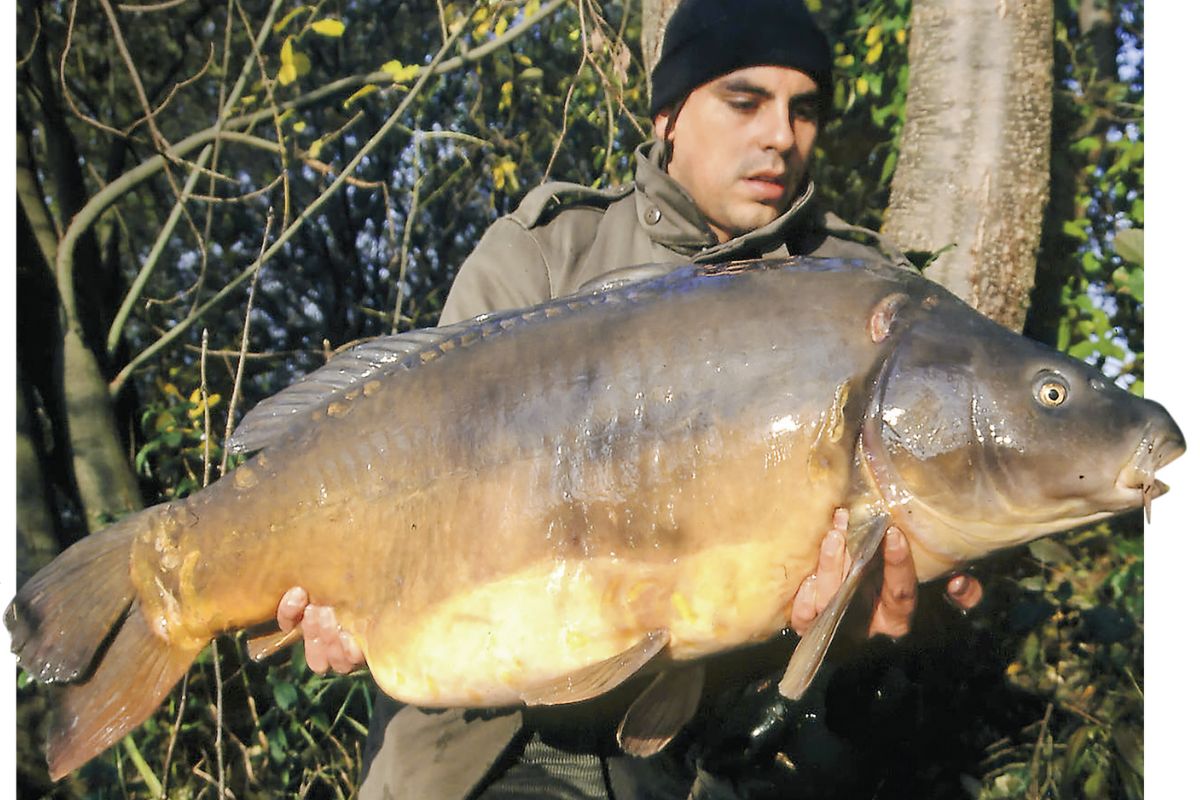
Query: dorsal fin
272,418
347,374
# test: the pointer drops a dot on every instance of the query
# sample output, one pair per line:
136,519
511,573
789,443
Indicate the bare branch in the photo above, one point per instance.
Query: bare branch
309,211
62,77
149,7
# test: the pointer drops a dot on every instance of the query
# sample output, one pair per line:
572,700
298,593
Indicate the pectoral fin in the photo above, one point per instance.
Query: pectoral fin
661,711
809,654
260,647
596,679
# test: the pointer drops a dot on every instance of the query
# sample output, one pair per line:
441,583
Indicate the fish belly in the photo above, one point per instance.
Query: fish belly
489,645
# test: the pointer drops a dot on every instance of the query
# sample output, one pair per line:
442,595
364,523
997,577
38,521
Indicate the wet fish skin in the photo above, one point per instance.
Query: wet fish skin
527,495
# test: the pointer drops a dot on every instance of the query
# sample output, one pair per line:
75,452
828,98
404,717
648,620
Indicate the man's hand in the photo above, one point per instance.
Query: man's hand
326,645
898,597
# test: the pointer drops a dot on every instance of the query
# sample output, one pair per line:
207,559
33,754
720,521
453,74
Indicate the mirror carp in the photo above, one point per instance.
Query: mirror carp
535,505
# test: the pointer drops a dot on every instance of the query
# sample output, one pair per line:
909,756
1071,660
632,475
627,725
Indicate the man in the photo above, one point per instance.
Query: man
737,101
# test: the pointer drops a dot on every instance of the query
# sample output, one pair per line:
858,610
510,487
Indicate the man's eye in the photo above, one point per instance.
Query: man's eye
742,104
807,110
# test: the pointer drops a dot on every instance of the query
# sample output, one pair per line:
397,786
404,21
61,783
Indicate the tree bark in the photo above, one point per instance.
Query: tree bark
37,537
974,164
655,14
67,357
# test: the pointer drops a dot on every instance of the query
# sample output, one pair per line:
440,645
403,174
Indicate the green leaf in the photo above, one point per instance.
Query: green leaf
1075,229
1050,552
285,694
1130,245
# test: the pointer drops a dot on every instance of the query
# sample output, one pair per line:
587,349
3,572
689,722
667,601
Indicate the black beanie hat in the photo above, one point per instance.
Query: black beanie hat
709,38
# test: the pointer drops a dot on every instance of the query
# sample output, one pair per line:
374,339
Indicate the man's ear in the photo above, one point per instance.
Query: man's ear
663,129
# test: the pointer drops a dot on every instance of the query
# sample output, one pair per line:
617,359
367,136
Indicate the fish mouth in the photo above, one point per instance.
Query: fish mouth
1153,452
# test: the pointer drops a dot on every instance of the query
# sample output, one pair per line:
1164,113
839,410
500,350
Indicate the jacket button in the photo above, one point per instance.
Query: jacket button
653,215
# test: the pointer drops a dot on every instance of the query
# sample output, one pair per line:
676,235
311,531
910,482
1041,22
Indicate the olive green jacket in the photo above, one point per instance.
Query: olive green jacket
561,237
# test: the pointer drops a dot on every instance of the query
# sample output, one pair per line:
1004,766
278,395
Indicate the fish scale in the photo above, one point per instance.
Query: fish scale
536,506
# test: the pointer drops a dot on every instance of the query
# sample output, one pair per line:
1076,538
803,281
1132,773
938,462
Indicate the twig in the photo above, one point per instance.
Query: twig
65,265
150,7
1032,792
309,211
99,203
241,366
269,86
37,32
166,768
562,134
413,206
160,244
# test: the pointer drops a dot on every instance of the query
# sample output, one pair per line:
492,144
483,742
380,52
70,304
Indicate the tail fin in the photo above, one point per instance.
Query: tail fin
77,622
129,682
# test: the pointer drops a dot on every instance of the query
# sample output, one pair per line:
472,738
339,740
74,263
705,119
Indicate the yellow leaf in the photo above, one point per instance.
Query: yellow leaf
363,92
329,27
288,17
861,86
841,62
401,73
314,149
171,390
531,8
299,126
873,35
501,26
480,14
875,52
901,36
287,62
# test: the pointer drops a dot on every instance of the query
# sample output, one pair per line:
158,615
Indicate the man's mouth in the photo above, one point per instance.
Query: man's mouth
765,186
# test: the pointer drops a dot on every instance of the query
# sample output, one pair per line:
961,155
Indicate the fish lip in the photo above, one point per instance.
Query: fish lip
1155,450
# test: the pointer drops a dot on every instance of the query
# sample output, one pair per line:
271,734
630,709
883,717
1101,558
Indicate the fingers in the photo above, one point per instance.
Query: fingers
898,597
964,591
832,567
326,645
291,608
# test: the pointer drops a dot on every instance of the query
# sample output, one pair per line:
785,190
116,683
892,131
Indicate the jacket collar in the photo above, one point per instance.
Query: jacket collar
670,217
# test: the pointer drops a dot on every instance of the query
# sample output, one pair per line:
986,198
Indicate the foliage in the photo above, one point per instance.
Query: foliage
361,245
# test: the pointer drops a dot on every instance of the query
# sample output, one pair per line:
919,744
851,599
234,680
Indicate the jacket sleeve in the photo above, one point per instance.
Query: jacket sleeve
507,269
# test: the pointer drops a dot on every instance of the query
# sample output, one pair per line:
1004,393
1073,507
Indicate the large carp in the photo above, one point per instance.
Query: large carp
532,506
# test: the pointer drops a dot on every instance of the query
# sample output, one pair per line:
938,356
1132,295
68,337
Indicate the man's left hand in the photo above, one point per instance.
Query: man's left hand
892,615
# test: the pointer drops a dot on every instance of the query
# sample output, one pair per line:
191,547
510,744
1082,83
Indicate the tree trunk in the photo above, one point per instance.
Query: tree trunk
72,377
974,165
37,538
655,14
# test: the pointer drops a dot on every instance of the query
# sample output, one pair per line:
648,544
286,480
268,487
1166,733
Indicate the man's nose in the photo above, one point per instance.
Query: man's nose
778,133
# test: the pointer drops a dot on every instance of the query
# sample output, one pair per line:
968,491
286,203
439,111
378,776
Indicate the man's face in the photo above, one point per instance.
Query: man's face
741,145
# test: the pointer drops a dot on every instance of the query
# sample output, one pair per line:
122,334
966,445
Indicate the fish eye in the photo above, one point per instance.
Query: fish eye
1052,391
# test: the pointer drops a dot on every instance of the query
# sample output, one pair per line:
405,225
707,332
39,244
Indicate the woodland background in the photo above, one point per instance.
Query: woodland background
214,195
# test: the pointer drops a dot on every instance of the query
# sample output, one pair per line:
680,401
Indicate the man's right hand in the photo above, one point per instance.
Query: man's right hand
326,645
